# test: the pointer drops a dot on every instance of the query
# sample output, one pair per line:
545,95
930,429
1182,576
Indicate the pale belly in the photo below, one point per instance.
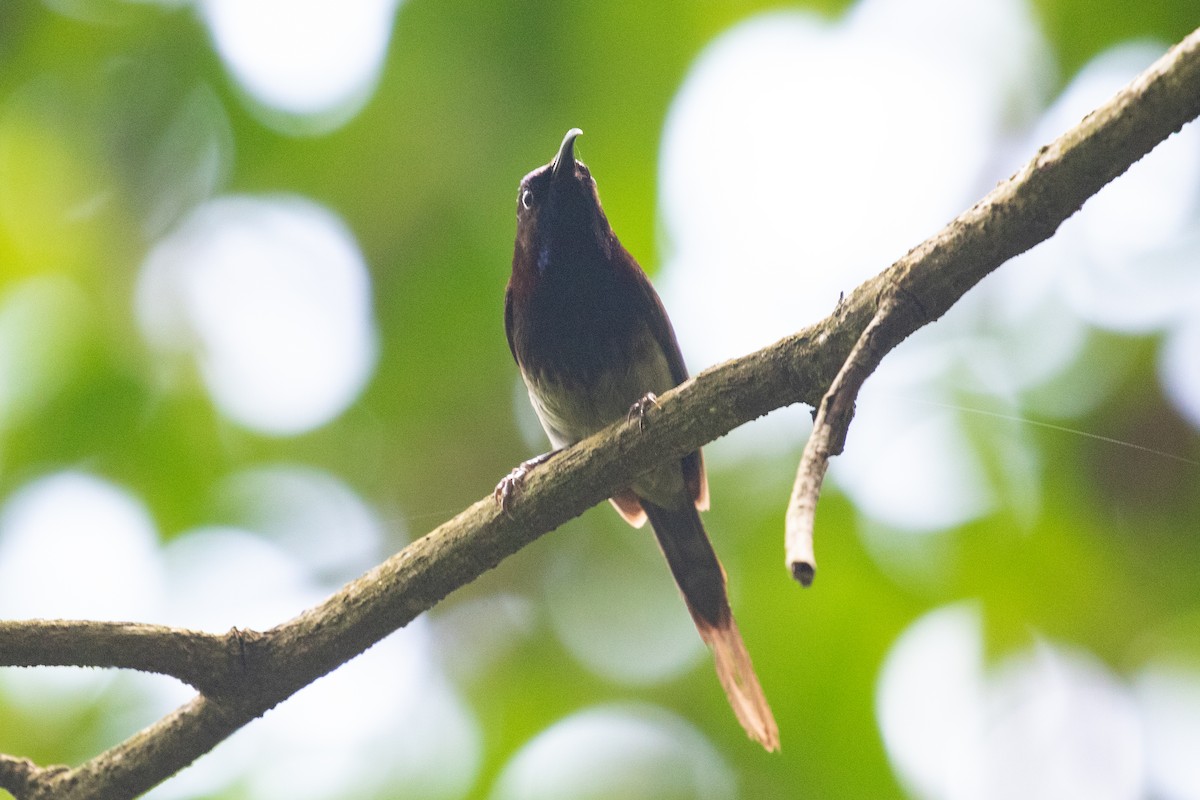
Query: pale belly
571,413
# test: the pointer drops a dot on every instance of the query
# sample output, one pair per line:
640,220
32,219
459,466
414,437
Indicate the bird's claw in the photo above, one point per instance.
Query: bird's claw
510,485
641,409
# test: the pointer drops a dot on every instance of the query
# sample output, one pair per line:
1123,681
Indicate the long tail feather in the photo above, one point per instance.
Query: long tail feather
701,579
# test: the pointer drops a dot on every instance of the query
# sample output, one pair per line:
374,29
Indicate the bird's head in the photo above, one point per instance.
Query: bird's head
559,217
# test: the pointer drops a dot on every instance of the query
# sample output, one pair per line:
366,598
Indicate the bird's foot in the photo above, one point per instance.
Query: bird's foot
641,409
510,485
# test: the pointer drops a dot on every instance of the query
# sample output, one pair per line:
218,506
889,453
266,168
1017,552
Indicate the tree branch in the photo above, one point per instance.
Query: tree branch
204,660
830,426
271,666
1017,215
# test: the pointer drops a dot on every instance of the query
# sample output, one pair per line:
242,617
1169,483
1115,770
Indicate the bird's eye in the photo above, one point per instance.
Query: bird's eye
527,199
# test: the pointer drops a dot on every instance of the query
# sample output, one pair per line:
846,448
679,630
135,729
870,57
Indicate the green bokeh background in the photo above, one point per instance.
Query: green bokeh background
473,95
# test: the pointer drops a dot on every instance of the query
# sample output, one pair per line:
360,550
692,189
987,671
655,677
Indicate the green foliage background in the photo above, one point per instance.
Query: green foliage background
473,95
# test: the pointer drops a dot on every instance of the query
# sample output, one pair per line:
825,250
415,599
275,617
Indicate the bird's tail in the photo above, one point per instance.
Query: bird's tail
700,577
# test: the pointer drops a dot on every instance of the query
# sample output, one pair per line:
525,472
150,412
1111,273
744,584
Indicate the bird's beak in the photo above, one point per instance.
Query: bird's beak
564,162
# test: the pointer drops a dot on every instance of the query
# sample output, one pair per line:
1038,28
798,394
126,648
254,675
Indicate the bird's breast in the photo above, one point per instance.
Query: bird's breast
573,403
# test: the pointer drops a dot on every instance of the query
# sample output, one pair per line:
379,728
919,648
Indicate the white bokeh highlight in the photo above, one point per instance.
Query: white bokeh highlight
74,546
272,299
906,461
1061,725
653,639
631,752
1180,367
476,635
316,61
801,156
308,512
1169,699
222,578
1047,722
934,746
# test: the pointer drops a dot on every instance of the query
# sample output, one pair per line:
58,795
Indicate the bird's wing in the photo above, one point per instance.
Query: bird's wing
660,327
508,322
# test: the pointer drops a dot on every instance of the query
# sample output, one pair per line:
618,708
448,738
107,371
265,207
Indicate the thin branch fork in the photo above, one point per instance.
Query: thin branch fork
828,438
259,670
1018,214
203,660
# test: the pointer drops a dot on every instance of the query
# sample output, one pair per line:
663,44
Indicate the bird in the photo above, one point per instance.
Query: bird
593,343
